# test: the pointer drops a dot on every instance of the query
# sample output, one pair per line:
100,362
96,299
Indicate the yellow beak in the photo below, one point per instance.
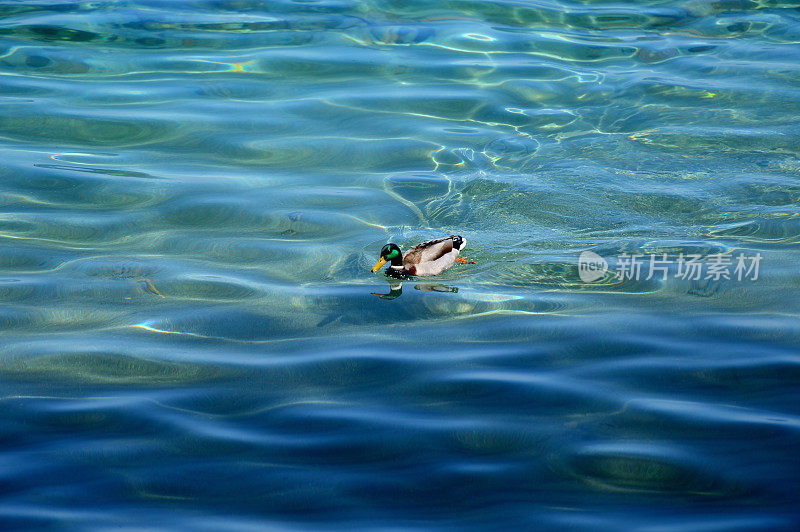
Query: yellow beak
379,265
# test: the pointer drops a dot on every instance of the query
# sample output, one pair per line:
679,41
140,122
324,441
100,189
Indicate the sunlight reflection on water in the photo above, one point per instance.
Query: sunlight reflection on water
193,194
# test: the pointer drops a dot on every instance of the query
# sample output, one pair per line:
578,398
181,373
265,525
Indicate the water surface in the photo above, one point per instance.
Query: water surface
193,194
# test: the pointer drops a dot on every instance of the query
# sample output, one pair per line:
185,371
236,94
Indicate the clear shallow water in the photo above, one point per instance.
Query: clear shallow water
193,193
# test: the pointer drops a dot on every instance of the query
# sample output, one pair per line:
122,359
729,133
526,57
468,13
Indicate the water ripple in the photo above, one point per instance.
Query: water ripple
192,197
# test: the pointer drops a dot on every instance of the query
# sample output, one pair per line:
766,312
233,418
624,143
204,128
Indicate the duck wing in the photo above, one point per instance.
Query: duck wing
428,251
432,257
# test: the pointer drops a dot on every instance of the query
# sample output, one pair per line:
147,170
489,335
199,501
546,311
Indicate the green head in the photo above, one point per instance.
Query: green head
389,253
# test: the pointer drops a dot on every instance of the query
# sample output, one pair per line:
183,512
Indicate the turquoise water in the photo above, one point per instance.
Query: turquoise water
193,194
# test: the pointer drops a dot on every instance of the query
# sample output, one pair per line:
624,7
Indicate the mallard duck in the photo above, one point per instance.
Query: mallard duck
429,258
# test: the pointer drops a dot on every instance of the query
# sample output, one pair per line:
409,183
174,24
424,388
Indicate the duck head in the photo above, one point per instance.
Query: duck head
389,253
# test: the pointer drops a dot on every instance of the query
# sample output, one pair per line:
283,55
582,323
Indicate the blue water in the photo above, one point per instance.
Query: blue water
193,194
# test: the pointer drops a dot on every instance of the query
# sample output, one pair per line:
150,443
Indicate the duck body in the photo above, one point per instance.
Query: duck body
429,258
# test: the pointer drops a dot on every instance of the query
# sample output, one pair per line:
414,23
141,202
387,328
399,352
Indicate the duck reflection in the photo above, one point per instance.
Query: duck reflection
396,288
